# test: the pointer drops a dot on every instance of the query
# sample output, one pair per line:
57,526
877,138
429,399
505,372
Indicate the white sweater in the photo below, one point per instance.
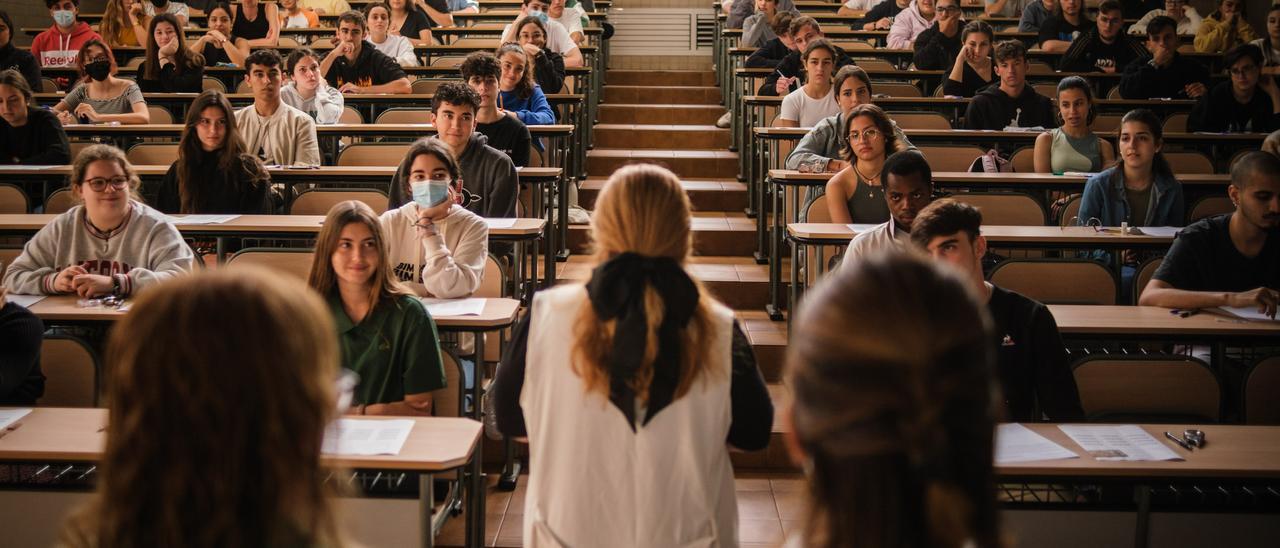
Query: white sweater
288,137
325,106
398,48
449,265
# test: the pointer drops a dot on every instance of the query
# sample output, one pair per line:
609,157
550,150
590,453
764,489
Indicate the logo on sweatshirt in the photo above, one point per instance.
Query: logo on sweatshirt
1007,341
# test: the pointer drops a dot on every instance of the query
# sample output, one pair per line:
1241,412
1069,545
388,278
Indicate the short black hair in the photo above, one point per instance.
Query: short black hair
295,57
1243,51
455,93
908,162
1254,163
50,3
945,217
8,22
1159,23
1110,5
266,57
353,16
1010,49
482,64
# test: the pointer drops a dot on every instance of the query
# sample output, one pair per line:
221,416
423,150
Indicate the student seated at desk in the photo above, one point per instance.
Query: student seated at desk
294,16
327,7
1232,259
356,66
1060,29
856,8
21,381
902,406
816,99
275,132
214,172
826,143
1140,189
633,387
1165,72
936,47
757,29
558,39
1248,103
308,91
1225,29
881,16
1004,8
111,244
1035,14
397,47
239,424
154,8
506,132
409,22
1013,103
170,66
1072,146
855,194
386,335
775,50
790,71
11,57
61,44
28,135
219,46
490,183
908,188
257,23
124,23
1104,47
101,97
548,66
741,10
571,18
973,67
912,21
1031,361
436,247
518,93
1186,19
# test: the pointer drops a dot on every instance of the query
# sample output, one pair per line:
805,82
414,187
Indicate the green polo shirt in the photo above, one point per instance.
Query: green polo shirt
395,350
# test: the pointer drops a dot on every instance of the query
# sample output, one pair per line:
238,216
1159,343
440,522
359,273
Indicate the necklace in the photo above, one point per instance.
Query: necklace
871,192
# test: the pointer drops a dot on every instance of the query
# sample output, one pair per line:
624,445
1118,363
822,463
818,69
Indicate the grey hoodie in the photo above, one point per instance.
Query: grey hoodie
487,174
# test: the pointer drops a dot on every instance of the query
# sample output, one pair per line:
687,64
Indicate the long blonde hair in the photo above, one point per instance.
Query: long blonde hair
323,279
217,444
643,210
114,18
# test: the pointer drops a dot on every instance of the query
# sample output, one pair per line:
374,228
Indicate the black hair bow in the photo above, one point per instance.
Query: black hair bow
616,290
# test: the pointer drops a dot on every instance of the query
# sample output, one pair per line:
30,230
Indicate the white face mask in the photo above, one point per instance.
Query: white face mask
64,18
430,192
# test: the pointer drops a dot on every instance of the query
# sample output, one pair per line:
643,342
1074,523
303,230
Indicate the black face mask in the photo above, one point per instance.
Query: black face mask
98,70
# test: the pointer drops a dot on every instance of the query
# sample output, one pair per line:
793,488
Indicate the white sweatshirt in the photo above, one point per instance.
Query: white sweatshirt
398,48
146,249
287,137
449,265
325,106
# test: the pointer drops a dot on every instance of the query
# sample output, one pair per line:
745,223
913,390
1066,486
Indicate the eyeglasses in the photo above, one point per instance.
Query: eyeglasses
99,184
870,135
1246,71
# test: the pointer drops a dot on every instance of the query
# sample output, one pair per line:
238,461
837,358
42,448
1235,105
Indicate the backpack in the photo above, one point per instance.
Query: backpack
991,162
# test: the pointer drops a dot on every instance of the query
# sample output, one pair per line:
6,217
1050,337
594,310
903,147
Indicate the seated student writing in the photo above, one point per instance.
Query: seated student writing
825,144
214,172
170,66
1232,259
816,99
385,333
395,46
28,134
1072,146
1165,72
558,39
1248,103
11,57
1225,29
908,188
856,193
219,46
481,71
1060,29
936,47
973,68
275,132
518,92
638,379
790,71
1013,103
308,91
239,426
21,381
1104,47
101,97
356,66
548,66
893,423
110,244
490,183
1031,361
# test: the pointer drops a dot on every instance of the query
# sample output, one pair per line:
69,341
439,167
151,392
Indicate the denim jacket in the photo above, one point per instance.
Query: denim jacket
1104,199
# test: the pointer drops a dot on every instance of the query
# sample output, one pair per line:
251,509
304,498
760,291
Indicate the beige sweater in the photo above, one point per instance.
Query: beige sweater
288,137
449,265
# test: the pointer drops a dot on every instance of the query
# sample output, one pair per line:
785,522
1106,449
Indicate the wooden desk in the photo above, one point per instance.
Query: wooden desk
1153,321
989,181
436,444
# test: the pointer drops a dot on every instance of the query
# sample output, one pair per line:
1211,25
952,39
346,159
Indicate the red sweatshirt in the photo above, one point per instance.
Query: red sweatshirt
51,48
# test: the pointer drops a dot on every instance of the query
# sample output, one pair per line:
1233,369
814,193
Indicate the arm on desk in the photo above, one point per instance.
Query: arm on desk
813,146
169,258
1161,293
423,369
456,273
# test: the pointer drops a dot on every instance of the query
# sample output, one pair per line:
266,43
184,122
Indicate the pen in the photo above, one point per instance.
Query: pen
1178,441
1183,313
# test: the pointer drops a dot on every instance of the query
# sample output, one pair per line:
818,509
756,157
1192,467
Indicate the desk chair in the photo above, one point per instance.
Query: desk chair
1057,281
1071,212
1176,123
1004,208
1189,162
951,158
292,262
1210,206
135,62
426,86
920,120
210,82
406,115
1107,123
1041,67
1145,272
152,154
1047,90
1024,160
13,199
159,115
855,45
60,201
350,116
877,64
47,85
71,371
7,256
318,201
1148,389
1261,384
447,61
895,89
373,154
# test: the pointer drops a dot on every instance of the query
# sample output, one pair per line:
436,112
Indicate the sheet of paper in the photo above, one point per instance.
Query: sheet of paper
454,307
10,416
1118,442
366,437
1247,313
1160,231
18,167
202,219
500,222
24,301
1017,443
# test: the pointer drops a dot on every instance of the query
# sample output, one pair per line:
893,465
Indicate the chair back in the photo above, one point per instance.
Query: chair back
152,154
292,262
816,211
13,199
447,401
1047,90
1004,208
318,201
1189,162
1176,123
48,85
350,116
951,158
1146,388
449,61
920,120
1106,123
159,115
426,86
1144,275
373,154
7,256
1071,213
60,201
1024,160
1057,281
209,82
895,89
1210,206
405,115
71,372
1261,384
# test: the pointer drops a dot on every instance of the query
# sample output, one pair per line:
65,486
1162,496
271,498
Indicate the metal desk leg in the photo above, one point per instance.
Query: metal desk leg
219,247
562,225
1141,533
426,507
775,265
475,498
793,292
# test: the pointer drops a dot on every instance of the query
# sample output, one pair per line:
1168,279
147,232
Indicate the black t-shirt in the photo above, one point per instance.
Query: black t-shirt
371,68
238,192
21,381
509,135
1203,258
1031,360
41,141
1058,28
214,55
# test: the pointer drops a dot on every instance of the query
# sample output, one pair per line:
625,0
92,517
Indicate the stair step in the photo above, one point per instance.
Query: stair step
623,113
661,136
679,95
714,234
699,164
704,194
660,77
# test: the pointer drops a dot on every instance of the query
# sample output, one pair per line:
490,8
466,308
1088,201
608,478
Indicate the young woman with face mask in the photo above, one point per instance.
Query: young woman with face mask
101,97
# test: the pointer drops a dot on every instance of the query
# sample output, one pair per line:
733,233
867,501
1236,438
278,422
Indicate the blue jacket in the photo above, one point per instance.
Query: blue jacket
1104,199
533,111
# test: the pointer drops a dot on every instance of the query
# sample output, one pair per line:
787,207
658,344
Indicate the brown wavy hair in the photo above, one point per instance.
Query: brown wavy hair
524,88
217,444
106,153
114,18
644,210
194,177
184,59
325,281
895,418
883,123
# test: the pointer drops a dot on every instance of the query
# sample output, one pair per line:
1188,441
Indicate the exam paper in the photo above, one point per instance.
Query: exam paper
1017,443
25,301
1160,231
366,437
454,307
10,416
1246,313
1126,442
500,222
202,219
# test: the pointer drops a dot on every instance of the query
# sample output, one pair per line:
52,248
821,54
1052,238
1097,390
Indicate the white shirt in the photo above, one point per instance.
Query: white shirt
398,48
558,39
286,138
1188,25
864,5
178,9
798,107
882,236
571,19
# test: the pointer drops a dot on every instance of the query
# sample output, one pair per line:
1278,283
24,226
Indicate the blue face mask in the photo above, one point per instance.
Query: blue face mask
539,15
64,18
430,193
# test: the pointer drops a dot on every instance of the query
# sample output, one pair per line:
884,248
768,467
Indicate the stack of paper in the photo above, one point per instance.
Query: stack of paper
25,301
366,437
1017,443
1246,313
10,416
202,219
1119,442
441,308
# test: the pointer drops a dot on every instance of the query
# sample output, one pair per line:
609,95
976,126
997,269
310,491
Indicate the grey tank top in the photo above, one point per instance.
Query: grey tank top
867,205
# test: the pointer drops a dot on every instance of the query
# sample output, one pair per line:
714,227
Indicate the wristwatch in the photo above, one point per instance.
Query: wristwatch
115,285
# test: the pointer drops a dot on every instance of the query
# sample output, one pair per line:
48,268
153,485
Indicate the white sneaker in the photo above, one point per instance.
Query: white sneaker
724,121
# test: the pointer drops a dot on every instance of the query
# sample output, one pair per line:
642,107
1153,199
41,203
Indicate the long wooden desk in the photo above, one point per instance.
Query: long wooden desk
436,444
1155,322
